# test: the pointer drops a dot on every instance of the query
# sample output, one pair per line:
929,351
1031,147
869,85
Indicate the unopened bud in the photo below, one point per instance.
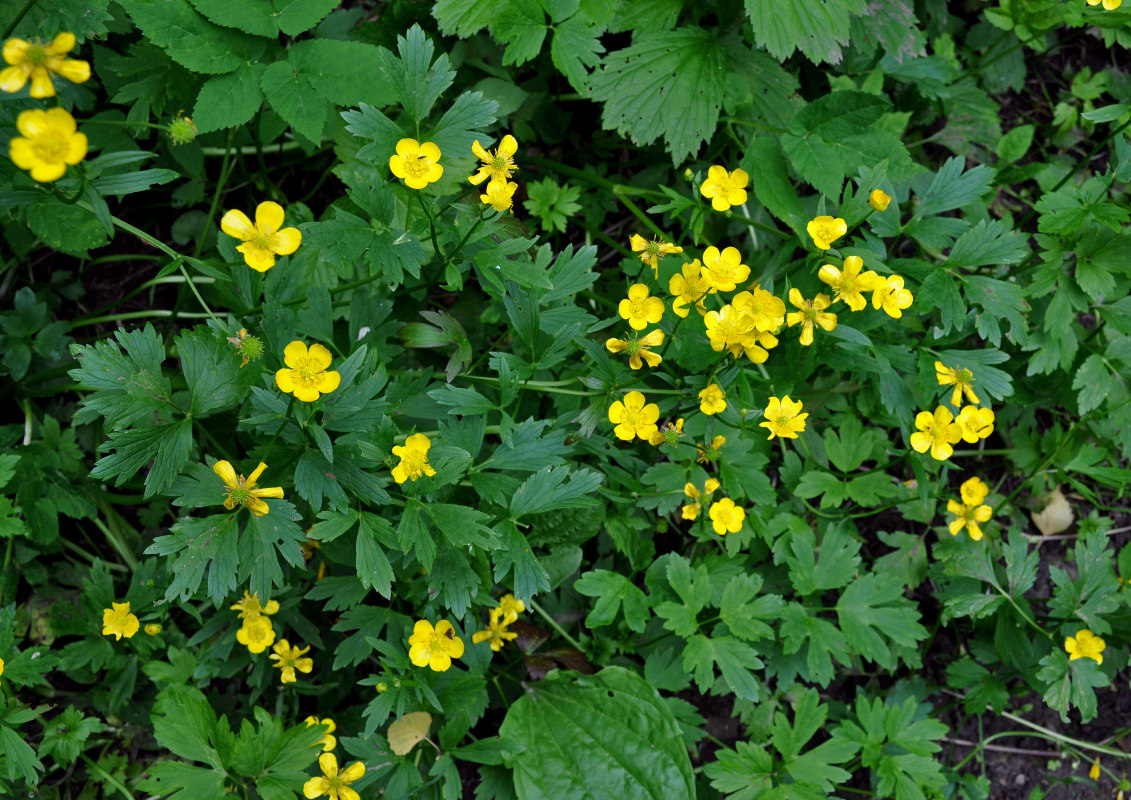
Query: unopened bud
182,130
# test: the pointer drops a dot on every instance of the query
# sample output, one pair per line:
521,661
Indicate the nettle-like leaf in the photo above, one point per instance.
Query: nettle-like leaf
1071,684
123,377
819,30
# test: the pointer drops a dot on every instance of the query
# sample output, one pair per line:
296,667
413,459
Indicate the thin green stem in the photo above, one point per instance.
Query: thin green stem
225,169
152,313
106,777
553,623
196,292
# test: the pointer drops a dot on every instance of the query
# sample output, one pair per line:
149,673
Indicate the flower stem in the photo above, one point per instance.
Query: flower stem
553,623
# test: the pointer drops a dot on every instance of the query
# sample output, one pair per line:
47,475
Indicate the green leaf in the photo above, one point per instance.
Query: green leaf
743,614
266,17
462,124
123,378
873,489
819,30
773,188
462,17
413,536
813,569
898,748
298,16
264,540
574,47
999,300
211,370
132,182
988,243
68,228
203,543
548,490
613,590
1071,684
815,641
516,557
830,488
415,80
187,728
373,568
63,736
1093,382
1014,145
462,526
667,84
190,39
848,445
293,97
167,446
954,188
228,101
520,25
873,611
188,781
19,757
735,660
613,736
554,204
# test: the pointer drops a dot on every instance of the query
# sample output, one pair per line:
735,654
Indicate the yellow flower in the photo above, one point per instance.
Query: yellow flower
256,634
1085,645
496,633
249,606
825,230
500,195
497,166
783,418
691,510
879,200
975,423
265,239
712,399
848,284
633,417
1,666
709,453
638,348
670,434
726,517
1094,771
1109,5
334,784
639,309
328,741
937,432
651,252
810,313
730,329
765,310
959,377
414,459
689,286
890,295
724,270
725,189
511,607
49,142
973,491
288,659
153,628
117,621
307,377
968,516
434,647
243,492
417,164
36,61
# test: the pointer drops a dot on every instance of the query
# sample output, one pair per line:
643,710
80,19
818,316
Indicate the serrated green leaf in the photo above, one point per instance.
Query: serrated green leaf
228,101
414,78
815,641
819,30
291,95
373,568
831,489
613,590
202,543
953,187
873,489
463,123
743,614
1014,145
988,243
19,757
68,228
873,611
848,445
519,25
264,540
211,371
1071,684
734,659
548,489
462,17
190,39
1093,382
574,47
166,446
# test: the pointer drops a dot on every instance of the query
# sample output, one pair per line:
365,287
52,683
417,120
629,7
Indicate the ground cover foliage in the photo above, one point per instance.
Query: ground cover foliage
557,398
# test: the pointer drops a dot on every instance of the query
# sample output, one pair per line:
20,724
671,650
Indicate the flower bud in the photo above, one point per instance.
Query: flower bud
879,200
182,130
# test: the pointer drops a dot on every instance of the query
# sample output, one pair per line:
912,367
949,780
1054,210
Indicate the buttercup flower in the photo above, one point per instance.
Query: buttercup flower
328,742
249,606
691,510
499,195
879,200
414,459
153,628
731,330
1109,5
890,295
975,423
417,164
1085,645
937,432
825,230
724,270
638,348
810,313
37,61
633,418
670,434
689,286
712,399
496,633
765,310
726,517
307,377
958,377
497,166
639,309
256,634
243,492
1094,770
265,239
49,141
288,659
434,647
117,621
725,189
968,516
783,418
511,607
652,251
973,491
709,453
848,284
334,784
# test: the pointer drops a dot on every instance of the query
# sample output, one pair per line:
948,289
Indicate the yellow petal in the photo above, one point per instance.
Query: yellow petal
268,216
258,258
407,147
12,79
236,224
41,85
285,380
329,764
227,474
322,357
22,152
430,151
439,661
315,787
287,241
46,173
73,70
305,394
61,44
76,149
508,146
294,353
329,381
254,476
15,51
257,506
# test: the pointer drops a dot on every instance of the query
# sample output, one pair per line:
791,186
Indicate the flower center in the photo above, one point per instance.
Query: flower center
965,376
263,240
639,307
307,372
51,146
498,163
416,165
37,54
633,346
240,496
809,314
